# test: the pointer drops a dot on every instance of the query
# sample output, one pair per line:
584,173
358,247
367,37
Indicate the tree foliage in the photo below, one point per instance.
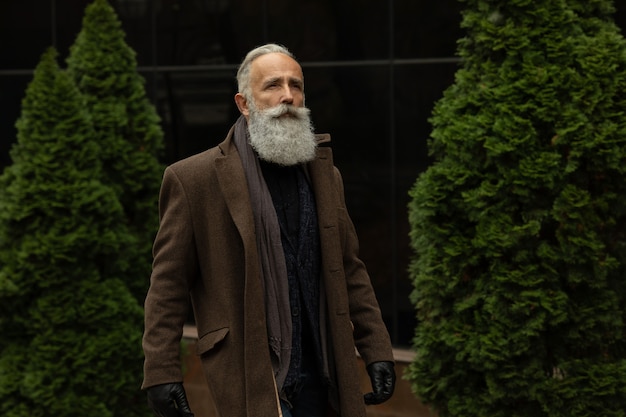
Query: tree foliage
519,225
71,329
126,124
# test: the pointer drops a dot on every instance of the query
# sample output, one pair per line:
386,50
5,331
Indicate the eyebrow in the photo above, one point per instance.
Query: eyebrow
292,80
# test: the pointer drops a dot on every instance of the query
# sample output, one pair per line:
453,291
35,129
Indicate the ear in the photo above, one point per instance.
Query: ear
242,104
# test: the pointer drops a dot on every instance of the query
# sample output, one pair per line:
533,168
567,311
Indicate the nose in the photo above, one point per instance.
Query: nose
287,97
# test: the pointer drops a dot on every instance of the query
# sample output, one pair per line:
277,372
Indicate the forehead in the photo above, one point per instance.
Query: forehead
274,65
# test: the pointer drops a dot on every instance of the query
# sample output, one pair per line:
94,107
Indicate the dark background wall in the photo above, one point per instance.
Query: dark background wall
373,69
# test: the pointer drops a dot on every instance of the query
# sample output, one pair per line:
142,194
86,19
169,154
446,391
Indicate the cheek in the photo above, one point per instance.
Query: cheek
298,98
265,101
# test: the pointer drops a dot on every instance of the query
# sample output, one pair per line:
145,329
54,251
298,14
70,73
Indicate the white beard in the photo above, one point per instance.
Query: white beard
285,140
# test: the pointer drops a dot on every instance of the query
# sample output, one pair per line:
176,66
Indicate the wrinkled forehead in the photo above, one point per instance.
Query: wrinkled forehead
275,65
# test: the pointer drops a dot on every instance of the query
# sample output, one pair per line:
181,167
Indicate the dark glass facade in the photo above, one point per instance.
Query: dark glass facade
373,70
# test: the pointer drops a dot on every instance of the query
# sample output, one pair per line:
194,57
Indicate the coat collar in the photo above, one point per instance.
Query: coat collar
234,186
233,181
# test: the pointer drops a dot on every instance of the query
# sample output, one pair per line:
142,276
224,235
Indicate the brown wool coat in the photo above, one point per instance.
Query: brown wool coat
206,250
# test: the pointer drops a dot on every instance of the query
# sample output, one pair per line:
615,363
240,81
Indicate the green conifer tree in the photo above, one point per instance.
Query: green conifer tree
71,329
127,126
519,225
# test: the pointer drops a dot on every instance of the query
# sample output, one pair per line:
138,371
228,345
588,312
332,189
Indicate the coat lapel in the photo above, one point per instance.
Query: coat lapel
234,187
321,174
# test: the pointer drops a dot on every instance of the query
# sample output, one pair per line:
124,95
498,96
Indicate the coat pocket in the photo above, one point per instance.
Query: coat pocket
210,340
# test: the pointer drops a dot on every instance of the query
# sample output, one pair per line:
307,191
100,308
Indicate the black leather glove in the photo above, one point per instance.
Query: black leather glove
169,400
383,378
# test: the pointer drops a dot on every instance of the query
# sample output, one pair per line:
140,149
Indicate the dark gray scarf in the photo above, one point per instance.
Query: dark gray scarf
273,267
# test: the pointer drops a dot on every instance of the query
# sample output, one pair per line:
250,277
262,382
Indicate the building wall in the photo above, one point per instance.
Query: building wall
373,69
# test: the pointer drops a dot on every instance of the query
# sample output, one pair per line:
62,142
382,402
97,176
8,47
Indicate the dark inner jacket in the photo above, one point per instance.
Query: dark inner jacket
297,216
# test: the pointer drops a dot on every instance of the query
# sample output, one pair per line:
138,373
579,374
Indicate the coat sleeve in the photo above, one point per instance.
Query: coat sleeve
370,333
174,268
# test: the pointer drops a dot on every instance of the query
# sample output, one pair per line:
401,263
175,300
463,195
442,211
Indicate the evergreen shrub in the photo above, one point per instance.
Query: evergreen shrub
71,329
126,124
519,225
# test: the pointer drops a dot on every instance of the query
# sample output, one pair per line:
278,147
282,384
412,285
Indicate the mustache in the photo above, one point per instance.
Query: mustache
286,109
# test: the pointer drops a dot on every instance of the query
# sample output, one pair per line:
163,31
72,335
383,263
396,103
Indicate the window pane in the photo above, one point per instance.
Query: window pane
426,29
25,35
196,107
13,89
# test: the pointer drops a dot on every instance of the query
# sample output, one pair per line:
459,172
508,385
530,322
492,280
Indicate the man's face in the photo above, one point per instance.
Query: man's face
275,79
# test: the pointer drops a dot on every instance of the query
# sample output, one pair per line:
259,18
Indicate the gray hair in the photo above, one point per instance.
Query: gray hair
243,73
